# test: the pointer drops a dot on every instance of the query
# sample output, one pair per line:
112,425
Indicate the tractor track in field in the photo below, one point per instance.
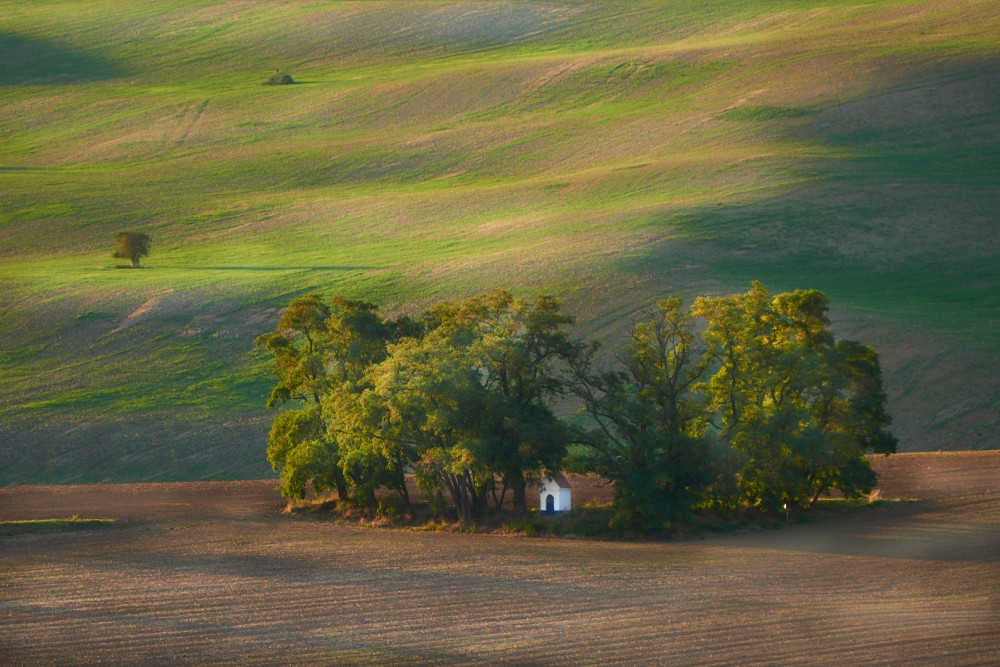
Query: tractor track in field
183,123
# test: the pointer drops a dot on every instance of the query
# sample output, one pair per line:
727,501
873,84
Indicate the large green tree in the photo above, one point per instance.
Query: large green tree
423,409
649,422
517,349
801,410
322,351
467,405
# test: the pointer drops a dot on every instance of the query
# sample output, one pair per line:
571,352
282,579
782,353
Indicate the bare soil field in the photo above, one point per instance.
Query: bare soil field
213,573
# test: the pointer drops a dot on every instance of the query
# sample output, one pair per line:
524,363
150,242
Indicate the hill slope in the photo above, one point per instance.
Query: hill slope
608,152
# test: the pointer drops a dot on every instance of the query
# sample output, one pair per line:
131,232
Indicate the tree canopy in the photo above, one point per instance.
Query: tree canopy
744,402
800,409
132,246
648,433
461,398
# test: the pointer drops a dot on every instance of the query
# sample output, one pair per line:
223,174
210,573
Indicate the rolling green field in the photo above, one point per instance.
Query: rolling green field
608,152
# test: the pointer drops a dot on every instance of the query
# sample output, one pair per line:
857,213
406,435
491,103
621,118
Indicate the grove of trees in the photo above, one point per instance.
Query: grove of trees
741,402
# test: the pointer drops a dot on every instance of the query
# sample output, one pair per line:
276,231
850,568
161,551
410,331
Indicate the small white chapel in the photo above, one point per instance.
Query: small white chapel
556,494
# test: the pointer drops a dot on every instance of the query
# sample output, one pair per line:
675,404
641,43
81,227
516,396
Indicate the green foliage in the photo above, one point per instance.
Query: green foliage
321,352
132,246
279,79
295,345
650,424
762,410
466,404
514,350
299,449
801,409
461,399
391,507
426,404
767,411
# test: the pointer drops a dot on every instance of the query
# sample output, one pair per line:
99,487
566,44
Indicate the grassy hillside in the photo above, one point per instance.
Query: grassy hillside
609,152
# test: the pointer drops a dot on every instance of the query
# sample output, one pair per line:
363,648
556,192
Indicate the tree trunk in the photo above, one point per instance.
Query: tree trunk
520,501
404,493
341,484
456,487
820,491
498,500
135,262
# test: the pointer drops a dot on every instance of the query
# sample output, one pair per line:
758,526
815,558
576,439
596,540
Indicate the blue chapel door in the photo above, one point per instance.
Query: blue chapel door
550,503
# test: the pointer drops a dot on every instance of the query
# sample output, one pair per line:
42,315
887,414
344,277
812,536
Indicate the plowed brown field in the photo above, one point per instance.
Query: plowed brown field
211,573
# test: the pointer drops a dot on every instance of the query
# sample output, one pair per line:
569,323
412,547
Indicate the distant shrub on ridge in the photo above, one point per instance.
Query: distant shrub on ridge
279,79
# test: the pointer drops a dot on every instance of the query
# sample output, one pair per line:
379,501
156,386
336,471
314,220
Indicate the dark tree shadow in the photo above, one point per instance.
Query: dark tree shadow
31,61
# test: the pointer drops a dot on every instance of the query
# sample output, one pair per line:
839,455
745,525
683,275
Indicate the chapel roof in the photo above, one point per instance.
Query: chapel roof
560,480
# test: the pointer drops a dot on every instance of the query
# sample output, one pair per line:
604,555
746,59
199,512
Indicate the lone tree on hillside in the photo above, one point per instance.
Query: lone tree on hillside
132,246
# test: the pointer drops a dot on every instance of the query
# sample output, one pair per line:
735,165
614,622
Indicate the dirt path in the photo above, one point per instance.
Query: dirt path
143,502
155,502
210,573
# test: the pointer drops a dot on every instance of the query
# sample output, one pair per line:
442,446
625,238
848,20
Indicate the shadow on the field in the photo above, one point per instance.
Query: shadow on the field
894,219
956,531
36,61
